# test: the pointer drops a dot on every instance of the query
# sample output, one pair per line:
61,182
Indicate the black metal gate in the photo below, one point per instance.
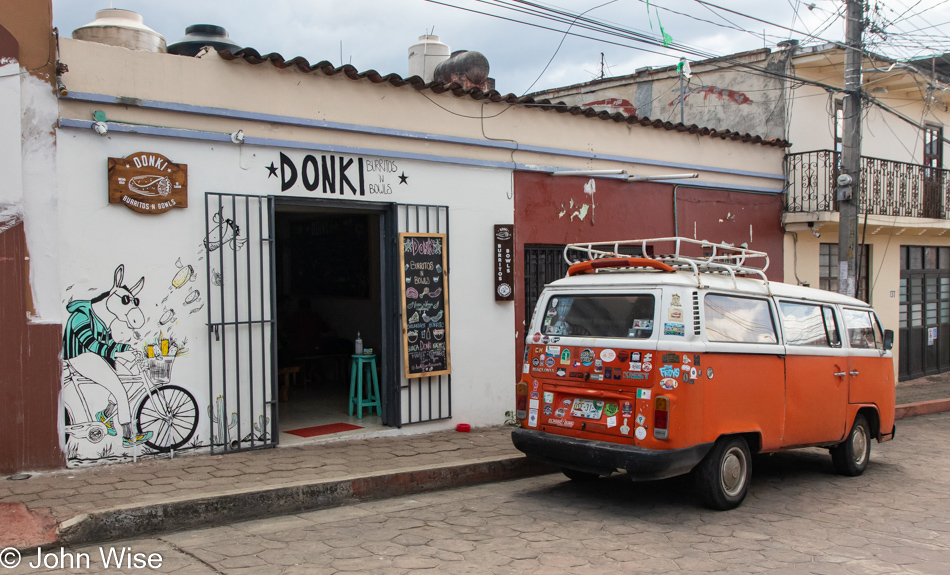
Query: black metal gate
242,373
421,399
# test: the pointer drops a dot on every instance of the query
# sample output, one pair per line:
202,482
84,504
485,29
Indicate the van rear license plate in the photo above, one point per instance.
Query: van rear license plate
587,408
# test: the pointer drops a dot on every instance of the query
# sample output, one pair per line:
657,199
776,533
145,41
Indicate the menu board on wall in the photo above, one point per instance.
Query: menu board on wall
425,312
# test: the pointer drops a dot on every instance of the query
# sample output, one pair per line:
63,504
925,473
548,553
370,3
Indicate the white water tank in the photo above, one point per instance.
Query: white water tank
123,28
425,55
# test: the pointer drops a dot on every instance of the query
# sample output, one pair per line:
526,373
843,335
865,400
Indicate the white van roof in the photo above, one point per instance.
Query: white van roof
625,279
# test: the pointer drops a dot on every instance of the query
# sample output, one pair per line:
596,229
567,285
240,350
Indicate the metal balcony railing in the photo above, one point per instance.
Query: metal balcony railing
889,188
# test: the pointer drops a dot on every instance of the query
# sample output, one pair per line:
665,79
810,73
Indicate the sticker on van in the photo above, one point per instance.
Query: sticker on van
674,329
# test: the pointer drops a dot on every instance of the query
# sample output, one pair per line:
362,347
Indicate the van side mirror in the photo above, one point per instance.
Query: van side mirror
888,339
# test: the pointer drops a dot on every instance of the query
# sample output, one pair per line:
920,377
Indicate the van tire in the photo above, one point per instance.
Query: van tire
723,476
851,456
579,476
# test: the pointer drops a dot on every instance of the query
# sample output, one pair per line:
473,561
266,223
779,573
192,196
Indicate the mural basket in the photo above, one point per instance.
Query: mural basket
160,369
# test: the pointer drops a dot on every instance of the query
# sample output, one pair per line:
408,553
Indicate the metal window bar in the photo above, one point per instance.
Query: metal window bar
423,399
242,390
543,265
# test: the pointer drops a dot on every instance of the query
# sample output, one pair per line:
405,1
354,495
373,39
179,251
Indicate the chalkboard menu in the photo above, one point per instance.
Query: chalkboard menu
425,312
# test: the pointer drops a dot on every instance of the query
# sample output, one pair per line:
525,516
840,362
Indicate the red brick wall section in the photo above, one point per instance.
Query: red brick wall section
30,370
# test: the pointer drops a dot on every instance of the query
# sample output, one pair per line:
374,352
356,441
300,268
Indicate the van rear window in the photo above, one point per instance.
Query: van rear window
627,316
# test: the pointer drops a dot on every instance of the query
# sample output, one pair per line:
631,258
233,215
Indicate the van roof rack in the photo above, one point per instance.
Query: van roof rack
714,258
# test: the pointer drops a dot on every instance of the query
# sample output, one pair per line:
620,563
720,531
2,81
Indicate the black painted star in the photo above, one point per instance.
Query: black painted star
272,169
402,178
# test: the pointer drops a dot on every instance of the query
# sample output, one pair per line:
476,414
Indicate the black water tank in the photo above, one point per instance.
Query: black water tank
197,36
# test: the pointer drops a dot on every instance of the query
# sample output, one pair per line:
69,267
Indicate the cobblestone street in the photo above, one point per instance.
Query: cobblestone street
799,518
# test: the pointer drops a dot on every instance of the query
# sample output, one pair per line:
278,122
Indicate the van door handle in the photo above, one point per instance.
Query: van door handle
841,374
853,373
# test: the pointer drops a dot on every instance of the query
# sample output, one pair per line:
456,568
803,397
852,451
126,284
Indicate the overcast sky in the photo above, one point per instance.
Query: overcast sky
376,34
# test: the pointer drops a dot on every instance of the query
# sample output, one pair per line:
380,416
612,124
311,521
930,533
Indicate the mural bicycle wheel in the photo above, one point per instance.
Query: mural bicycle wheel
171,414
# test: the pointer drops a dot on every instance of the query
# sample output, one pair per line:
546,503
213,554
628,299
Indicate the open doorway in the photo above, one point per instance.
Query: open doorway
329,287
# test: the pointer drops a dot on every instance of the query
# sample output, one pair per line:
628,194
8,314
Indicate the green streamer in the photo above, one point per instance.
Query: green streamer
667,39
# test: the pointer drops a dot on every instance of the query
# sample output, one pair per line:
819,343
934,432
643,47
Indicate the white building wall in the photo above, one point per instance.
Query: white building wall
98,237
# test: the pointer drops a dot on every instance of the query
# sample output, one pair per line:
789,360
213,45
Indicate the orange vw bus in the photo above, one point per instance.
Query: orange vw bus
662,365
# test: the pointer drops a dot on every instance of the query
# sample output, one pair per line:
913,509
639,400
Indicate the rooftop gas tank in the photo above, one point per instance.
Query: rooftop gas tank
425,55
123,28
197,36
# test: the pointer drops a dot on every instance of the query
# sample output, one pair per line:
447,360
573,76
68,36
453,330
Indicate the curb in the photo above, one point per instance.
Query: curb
242,505
921,408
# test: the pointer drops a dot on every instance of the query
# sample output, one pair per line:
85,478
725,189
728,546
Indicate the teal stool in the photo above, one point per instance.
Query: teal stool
358,365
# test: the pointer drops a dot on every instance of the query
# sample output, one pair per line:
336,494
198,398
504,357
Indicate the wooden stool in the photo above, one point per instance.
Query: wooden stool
287,375
357,365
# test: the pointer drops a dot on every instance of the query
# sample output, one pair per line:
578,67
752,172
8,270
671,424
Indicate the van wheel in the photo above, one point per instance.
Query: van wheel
852,455
723,476
580,476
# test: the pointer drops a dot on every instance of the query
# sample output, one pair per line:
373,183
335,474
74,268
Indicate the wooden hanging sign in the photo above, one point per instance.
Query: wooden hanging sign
148,183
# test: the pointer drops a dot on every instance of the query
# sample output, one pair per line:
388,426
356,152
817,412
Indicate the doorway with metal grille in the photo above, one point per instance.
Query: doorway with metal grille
333,280
240,307
429,398
924,336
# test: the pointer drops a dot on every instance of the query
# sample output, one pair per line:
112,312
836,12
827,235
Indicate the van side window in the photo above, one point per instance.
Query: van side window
863,330
627,316
738,320
804,324
831,326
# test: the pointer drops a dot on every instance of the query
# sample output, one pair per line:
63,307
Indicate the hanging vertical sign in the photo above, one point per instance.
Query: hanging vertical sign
504,262
425,311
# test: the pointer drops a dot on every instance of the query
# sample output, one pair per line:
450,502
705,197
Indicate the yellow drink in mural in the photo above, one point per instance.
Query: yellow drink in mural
150,350
164,347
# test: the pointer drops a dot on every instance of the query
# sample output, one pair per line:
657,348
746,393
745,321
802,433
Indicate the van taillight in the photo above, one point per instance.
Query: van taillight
521,400
661,417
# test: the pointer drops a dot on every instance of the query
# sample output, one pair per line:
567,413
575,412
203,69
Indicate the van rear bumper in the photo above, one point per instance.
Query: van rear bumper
603,457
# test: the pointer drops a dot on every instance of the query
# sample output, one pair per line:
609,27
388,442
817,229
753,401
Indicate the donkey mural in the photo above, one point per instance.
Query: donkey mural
90,348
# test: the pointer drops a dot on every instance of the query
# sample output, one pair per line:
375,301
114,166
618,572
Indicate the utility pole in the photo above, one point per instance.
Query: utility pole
849,182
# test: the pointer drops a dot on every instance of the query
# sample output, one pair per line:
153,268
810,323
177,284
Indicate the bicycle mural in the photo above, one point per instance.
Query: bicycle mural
124,393
117,371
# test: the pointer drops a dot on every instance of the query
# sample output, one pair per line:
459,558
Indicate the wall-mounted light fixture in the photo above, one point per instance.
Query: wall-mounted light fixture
101,128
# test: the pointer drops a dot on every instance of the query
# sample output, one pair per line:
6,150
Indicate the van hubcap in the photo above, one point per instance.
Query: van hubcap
859,445
733,471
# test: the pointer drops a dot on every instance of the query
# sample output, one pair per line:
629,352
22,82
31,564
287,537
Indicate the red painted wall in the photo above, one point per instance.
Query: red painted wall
626,211
30,370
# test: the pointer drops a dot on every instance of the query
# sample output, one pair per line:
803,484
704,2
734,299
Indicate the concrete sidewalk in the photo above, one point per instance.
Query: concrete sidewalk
924,395
111,502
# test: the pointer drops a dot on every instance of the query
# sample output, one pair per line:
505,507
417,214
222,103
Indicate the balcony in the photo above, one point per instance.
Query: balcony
890,189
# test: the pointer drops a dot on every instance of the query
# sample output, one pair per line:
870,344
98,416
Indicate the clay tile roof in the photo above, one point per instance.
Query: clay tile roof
252,56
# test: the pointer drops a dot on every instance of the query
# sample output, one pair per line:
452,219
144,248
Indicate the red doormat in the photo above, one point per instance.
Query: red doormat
323,429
